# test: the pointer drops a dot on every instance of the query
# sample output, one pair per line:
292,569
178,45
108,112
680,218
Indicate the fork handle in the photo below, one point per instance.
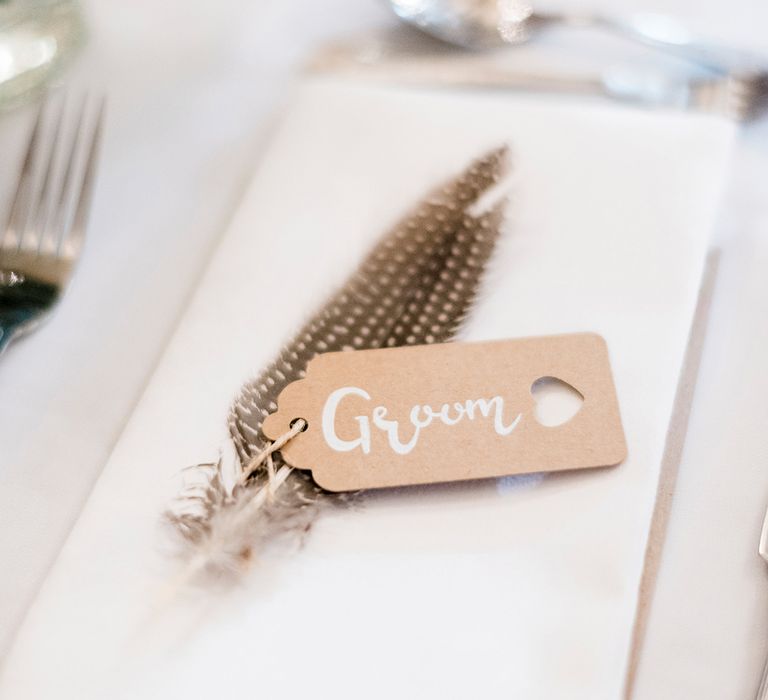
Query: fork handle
7,334
23,304
762,691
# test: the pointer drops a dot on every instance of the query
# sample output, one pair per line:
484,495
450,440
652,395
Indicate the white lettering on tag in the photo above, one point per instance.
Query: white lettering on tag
420,417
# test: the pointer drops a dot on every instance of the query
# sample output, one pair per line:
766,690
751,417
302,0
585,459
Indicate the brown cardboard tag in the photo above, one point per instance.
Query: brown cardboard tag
432,413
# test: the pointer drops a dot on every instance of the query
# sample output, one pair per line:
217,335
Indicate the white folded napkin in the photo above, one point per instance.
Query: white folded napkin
517,588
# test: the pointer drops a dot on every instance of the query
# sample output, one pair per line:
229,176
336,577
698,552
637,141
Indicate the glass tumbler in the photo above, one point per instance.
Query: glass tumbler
37,37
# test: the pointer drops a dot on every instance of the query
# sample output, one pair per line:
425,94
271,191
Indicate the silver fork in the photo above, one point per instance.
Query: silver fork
742,97
46,225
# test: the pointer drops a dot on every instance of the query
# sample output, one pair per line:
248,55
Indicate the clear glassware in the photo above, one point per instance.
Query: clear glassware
37,37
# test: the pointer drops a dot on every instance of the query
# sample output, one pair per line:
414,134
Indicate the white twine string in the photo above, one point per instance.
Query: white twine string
265,456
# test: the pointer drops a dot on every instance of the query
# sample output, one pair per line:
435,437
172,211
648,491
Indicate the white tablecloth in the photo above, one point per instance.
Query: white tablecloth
192,92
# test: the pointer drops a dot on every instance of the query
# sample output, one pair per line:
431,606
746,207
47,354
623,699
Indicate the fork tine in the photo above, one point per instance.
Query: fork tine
66,185
72,239
42,208
18,215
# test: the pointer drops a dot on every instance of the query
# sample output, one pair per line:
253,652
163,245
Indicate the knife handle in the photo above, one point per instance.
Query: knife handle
762,691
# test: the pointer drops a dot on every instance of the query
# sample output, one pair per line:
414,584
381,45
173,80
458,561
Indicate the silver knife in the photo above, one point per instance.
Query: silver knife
762,691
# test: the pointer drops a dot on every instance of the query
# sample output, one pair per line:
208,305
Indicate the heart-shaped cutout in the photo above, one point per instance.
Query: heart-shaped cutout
555,402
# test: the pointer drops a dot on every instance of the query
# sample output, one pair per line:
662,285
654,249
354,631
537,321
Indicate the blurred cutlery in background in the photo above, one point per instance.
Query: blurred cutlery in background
425,63
762,691
735,82
485,24
46,226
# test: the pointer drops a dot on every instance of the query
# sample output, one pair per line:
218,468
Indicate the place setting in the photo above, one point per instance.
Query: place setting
408,373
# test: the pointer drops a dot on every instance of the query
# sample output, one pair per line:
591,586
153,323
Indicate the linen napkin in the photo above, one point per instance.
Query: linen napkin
521,587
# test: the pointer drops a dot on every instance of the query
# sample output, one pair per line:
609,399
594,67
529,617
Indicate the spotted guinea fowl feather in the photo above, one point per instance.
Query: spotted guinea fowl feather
415,287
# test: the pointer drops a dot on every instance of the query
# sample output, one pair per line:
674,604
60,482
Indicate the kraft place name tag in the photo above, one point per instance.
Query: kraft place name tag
434,413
